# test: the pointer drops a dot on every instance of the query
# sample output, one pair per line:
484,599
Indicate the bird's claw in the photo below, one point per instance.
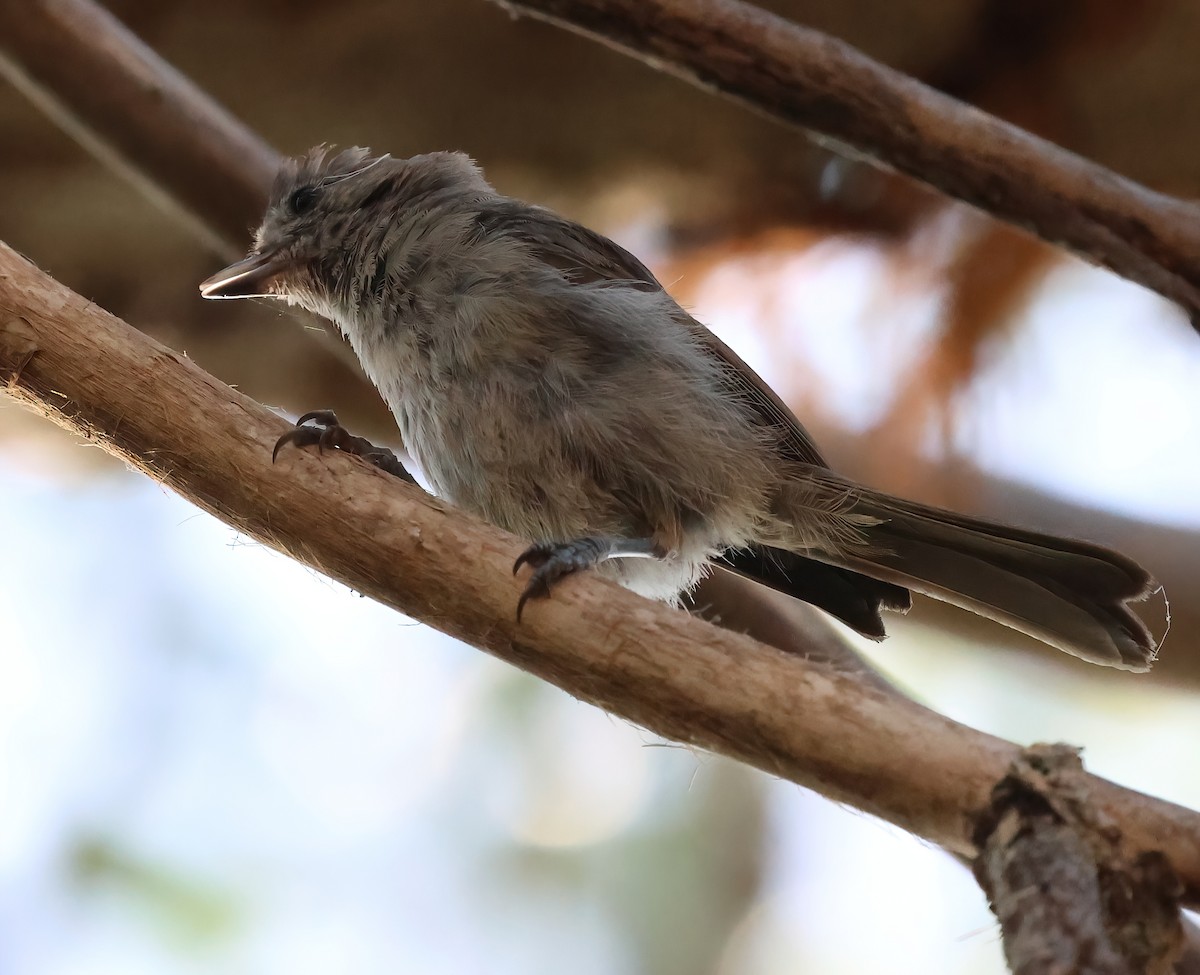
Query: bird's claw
535,556
552,561
326,431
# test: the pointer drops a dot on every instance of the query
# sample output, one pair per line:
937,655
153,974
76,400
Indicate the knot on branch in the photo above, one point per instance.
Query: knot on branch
20,344
1070,893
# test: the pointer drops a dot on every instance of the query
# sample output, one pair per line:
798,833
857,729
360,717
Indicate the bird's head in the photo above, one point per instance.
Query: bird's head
331,214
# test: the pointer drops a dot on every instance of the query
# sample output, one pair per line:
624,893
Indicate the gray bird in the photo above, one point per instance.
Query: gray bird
544,379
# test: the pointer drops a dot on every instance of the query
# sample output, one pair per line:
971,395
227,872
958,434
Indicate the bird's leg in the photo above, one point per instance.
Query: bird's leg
326,431
552,561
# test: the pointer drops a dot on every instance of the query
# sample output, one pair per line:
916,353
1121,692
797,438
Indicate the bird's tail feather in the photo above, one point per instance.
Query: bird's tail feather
1072,595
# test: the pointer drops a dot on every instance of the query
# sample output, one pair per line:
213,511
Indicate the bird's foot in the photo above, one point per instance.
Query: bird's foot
552,561
326,431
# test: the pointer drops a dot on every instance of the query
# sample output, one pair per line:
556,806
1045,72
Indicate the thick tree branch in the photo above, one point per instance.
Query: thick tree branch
662,669
737,604
815,81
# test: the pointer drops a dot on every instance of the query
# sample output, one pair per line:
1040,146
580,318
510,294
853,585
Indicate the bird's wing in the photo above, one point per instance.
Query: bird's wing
591,258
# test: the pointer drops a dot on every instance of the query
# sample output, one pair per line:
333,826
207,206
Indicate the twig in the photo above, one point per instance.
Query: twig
816,81
664,670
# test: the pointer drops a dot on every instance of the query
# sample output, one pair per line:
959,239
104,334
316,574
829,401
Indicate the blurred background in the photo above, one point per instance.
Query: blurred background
213,759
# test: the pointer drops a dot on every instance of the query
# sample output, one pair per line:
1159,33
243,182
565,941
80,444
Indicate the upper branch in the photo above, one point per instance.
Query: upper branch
815,81
138,113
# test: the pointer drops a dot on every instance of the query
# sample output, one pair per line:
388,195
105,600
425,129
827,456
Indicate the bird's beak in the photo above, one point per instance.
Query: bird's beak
250,277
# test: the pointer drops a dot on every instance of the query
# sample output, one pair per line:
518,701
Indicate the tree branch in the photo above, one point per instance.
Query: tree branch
1069,896
815,81
138,114
659,668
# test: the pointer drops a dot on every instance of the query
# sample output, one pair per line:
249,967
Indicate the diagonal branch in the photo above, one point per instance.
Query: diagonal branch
815,81
138,114
665,670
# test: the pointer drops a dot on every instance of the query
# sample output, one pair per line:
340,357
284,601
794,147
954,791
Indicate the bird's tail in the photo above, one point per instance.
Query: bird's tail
1072,595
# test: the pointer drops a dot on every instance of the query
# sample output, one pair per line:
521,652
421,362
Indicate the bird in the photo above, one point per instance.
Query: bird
544,379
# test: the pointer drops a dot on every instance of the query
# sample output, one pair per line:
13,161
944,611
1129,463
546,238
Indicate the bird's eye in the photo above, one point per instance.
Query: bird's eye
302,200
